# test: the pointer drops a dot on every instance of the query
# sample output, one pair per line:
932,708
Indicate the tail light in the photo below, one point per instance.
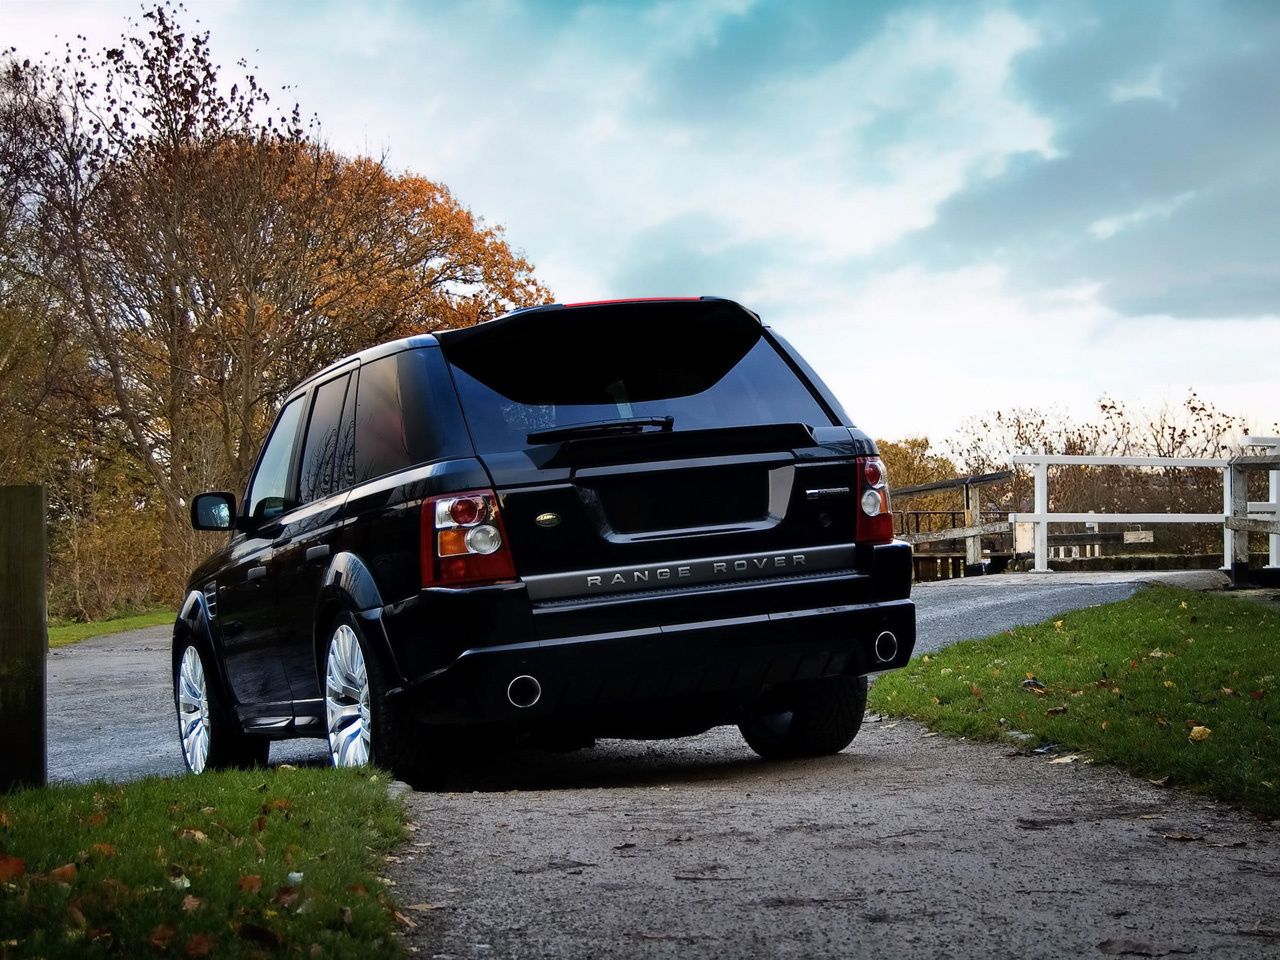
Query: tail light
875,519
463,540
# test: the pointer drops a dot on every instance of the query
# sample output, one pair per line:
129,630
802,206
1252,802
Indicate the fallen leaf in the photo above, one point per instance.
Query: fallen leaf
11,867
1069,758
207,811
1199,734
286,897
359,889
5,823
1258,694
190,833
97,819
260,824
63,874
404,921
200,944
1106,724
75,917
191,903
180,882
1161,782
1057,624
427,907
103,849
1184,837
286,766
251,883
279,803
1169,684
1182,604
1056,711
345,916
161,936
975,690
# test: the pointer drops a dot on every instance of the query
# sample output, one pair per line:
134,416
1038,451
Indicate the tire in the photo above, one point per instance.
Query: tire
208,733
362,727
814,719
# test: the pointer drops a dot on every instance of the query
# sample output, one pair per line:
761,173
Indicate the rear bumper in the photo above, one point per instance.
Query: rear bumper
706,670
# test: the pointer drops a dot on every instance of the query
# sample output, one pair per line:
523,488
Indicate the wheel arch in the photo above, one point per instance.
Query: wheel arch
349,587
193,624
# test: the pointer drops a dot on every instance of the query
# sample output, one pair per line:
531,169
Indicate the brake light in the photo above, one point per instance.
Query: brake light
874,522
463,540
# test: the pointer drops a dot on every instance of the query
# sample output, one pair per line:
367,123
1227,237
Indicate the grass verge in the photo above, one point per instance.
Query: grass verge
1167,684
253,863
62,634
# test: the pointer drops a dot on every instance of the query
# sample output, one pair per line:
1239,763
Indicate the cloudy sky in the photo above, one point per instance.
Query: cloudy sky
950,208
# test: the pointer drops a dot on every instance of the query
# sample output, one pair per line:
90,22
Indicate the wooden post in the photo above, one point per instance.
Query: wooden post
1239,538
972,518
24,640
1042,508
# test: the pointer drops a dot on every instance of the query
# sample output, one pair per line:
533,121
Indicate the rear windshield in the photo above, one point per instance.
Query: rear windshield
703,368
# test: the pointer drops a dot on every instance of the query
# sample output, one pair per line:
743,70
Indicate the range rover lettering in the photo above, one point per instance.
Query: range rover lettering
631,519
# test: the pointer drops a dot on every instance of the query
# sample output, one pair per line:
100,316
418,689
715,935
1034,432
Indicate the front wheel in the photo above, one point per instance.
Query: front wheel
363,727
210,737
813,719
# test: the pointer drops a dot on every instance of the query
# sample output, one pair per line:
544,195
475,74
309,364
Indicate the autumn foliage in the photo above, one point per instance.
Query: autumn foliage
175,254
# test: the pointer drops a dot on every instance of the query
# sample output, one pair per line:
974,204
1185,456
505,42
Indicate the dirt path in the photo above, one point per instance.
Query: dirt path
906,845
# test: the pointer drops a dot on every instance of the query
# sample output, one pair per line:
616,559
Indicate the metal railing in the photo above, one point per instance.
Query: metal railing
1236,509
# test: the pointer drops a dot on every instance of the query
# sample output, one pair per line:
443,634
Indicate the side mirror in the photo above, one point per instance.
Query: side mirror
214,511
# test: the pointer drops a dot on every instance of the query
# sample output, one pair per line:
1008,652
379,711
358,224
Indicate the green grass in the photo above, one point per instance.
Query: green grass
1126,683
62,634
251,863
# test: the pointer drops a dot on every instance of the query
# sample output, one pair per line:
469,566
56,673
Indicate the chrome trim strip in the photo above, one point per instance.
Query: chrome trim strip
723,569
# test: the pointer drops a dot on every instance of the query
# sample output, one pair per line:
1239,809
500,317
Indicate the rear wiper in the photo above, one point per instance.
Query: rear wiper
602,428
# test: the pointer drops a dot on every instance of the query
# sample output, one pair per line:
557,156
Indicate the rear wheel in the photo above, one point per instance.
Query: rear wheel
210,737
363,727
812,719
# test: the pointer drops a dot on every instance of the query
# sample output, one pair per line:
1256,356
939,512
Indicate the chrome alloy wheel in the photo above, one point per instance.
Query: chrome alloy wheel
346,699
193,710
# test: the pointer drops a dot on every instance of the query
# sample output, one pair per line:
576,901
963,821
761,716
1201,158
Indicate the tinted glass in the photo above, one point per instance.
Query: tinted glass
268,496
704,377
324,438
380,441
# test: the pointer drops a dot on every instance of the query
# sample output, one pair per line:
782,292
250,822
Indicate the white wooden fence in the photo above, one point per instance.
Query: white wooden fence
1239,517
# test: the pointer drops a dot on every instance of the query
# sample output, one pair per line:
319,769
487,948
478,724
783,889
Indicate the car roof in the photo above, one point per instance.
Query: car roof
520,316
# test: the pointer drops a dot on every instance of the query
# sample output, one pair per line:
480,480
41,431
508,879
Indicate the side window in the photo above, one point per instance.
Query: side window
380,445
324,437
269,494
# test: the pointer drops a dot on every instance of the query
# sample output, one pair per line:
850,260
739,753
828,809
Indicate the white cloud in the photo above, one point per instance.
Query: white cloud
1107,227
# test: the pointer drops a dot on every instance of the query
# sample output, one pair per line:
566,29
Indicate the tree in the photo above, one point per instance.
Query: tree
199,254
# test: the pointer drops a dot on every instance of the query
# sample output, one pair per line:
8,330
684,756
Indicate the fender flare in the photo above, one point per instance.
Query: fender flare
194,621
349,585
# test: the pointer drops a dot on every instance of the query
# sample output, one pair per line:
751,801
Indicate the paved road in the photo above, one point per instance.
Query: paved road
907,845
111,712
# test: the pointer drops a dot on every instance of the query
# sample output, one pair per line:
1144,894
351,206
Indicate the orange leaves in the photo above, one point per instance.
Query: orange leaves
64,874
11,868
251,883
200,945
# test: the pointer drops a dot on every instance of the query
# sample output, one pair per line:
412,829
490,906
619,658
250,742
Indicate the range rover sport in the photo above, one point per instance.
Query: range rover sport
633,519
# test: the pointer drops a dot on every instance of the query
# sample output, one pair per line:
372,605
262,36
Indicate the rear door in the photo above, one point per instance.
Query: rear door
654,444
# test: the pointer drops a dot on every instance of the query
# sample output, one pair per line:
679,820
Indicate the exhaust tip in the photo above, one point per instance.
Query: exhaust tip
524,691
886,646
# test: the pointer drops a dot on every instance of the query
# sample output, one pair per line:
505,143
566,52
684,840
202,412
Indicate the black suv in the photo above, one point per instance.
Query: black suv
634,519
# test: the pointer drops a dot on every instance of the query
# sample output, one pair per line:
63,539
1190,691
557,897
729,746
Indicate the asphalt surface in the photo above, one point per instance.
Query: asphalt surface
907,845
111,714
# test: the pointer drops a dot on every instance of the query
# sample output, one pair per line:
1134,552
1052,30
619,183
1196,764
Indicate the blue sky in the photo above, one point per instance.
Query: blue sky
951,208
